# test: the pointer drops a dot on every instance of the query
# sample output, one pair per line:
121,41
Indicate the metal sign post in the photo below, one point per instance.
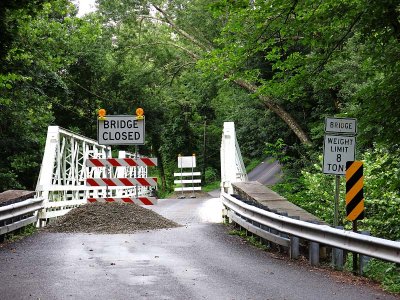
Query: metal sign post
339,148
354,197
180,163
187,162
136,171
337,196
193,165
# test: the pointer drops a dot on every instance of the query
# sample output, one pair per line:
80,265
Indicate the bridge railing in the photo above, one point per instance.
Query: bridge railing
232,166
273,227
63,173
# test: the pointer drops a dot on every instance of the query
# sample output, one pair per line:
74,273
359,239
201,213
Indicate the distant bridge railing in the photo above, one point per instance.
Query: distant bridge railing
286,231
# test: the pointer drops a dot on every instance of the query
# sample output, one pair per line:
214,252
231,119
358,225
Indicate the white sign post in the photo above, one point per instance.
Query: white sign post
120,130
188,162
339,148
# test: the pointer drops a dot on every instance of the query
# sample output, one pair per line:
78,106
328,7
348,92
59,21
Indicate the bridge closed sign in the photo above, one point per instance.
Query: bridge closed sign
120,130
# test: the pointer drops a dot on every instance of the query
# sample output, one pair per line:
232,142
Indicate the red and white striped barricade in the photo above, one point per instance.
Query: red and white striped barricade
122,162
148,181
139,200
123,182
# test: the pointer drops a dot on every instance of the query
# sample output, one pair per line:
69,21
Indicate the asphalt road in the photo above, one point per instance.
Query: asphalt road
199,260
267,173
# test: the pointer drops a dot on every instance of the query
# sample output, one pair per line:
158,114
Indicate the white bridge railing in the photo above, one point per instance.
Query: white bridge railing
232,166
63,173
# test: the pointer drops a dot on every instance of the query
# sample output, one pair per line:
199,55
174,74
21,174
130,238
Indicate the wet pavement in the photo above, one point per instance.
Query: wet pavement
198,260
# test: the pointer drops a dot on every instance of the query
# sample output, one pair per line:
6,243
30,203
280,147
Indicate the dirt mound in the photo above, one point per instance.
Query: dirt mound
110,218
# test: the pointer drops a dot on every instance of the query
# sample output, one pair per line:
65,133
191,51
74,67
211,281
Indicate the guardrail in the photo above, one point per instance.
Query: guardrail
18,215
264,223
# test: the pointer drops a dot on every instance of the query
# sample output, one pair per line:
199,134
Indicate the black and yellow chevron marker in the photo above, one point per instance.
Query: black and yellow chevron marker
354,190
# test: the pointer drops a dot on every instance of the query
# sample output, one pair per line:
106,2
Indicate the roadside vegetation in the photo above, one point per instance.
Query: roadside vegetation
276,68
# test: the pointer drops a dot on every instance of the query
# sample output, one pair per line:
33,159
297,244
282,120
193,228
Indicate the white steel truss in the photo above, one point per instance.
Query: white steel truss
63,173
232,166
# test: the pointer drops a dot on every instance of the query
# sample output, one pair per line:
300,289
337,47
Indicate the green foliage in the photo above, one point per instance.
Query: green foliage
277,151
216,185
253,240
314,192
251,164
211,175
387,273
21,233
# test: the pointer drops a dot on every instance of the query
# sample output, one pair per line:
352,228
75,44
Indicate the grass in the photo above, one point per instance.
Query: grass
212,186
251,239
388,274
252,164
23,232
385,273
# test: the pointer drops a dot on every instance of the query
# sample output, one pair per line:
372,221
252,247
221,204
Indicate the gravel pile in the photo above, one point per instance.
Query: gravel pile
110,218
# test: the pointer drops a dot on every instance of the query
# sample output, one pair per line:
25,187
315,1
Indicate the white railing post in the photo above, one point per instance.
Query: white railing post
232,166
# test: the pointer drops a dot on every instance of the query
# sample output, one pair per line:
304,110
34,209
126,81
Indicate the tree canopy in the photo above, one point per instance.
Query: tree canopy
276,68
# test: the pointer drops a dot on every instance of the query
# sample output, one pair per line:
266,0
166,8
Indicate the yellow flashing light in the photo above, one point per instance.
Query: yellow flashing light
102,114
140,113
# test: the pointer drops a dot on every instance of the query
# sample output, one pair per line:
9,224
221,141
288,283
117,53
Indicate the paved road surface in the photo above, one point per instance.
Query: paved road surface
196,261
267,173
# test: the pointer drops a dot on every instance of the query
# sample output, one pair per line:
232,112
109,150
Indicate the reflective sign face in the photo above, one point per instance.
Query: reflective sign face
341,125
120,130
186,161
337,151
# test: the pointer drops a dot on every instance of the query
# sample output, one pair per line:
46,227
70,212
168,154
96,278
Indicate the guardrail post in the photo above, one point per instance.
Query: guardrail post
314,253
338,255
225,216
294,244
2,236
364,259
264,241
282,234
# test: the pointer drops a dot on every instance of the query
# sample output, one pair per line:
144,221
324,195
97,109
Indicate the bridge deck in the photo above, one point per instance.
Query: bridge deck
14,196
255,191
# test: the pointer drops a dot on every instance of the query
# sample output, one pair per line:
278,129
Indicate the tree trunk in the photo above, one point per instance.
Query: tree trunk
276,108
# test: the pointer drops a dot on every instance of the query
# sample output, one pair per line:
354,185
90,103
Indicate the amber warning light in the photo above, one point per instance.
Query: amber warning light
140,113
102,114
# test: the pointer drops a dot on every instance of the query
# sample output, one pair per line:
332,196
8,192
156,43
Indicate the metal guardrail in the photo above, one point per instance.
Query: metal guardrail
18,215
347,240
